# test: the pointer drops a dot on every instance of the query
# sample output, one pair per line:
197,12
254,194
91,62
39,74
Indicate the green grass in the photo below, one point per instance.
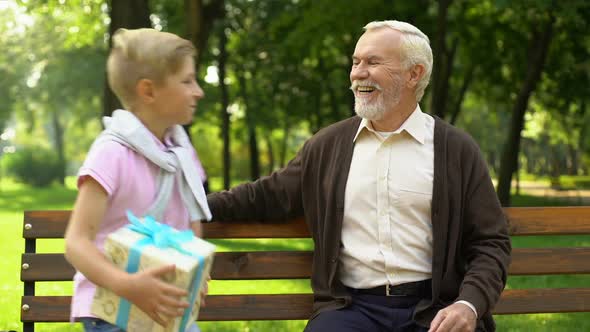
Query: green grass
566,181
15,198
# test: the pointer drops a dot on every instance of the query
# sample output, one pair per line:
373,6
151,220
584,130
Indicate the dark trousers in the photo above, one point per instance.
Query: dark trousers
370,313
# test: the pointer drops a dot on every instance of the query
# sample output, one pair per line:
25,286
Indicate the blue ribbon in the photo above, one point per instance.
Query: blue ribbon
161,236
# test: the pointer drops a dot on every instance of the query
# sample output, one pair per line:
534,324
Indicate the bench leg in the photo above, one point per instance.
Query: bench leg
28,327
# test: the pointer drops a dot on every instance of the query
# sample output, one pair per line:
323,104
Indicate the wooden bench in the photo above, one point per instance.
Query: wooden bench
297,265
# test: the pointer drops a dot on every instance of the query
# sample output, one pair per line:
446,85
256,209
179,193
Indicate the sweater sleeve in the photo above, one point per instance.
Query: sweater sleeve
276,197
486,245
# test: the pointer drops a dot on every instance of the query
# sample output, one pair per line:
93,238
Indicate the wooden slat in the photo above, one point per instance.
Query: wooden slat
262,265
257,307
45,308
52,224
46,267
298,306
297,264
543,261
295,228
219,307
226,266
45,224
549,220
523,221
543,300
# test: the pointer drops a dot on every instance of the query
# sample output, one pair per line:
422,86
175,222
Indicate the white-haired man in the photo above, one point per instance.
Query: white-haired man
408,231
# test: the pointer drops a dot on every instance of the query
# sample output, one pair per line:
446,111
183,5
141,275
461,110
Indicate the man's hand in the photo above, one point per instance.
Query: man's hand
455,318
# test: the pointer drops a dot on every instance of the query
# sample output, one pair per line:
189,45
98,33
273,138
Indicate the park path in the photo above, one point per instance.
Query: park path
574,196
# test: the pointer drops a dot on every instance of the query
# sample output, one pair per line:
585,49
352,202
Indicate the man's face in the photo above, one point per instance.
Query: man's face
376,75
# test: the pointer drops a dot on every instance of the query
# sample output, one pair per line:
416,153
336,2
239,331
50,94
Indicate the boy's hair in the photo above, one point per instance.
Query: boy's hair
143,54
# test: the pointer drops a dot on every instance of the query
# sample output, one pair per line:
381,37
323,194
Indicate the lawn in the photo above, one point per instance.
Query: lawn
15,198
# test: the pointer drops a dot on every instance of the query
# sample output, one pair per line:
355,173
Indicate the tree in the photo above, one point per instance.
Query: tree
130,14
543,21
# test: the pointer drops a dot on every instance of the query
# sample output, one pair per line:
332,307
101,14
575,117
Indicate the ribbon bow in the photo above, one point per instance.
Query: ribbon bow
162,235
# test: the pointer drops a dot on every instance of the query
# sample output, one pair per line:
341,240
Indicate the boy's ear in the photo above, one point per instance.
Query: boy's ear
145,90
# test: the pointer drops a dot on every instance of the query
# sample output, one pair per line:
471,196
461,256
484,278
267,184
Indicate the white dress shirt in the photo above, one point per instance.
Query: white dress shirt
387,228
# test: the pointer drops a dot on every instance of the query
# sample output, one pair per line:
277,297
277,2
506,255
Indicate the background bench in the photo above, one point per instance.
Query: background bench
297,265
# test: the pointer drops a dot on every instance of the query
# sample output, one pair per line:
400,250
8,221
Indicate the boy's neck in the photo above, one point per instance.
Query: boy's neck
151,122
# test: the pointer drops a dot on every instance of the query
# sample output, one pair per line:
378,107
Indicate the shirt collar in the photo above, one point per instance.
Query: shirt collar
415,125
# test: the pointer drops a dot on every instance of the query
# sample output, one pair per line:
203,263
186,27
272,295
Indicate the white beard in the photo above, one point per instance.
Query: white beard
387,99
371,110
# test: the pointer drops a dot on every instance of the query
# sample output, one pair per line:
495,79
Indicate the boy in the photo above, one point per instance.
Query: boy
143,162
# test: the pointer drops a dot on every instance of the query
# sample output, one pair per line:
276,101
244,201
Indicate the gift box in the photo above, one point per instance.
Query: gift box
146,244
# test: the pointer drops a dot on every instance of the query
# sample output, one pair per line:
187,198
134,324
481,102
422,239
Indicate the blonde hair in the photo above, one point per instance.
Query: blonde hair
415,49
143,54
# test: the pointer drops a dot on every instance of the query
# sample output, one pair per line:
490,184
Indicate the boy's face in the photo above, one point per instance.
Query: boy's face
176,99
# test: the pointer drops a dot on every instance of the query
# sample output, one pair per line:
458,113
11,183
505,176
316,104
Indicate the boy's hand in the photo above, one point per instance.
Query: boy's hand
160,300
204,291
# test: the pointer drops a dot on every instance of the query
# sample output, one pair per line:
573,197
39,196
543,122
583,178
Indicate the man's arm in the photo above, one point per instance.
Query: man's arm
486,244
485,251
270,198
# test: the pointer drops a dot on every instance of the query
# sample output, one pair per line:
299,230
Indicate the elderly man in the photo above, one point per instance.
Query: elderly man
409,234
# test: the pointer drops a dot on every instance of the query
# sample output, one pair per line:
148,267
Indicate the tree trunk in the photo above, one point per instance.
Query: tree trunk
58,136
319,117
440,69
461,96
284,145
271,154
225,123
253,143
131,14
331,93
250,123
537,55
351,99
583,133
200,17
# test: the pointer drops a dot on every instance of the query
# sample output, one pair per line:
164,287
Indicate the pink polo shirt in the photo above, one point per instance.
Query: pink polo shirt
130,182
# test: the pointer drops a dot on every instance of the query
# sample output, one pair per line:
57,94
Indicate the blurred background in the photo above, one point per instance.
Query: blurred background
515,74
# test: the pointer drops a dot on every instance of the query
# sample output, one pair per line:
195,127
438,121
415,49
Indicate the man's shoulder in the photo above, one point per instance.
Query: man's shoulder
346,128
453,135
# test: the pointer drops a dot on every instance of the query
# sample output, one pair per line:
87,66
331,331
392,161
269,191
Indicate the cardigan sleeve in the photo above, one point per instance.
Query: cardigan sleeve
276,197
486,244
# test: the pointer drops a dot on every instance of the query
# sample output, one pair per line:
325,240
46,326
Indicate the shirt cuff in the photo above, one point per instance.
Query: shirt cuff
469,305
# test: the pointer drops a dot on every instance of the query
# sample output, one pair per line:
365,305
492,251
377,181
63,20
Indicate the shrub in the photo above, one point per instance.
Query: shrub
35,166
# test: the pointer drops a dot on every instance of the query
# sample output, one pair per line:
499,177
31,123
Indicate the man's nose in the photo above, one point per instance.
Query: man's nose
359,72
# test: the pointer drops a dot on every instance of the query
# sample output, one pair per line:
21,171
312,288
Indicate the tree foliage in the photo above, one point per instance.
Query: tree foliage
286,67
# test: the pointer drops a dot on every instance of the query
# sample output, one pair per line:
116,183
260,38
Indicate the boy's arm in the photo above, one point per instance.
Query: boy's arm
197,228
155,297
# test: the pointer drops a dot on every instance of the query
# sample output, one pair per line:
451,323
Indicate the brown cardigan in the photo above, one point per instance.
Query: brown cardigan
471,246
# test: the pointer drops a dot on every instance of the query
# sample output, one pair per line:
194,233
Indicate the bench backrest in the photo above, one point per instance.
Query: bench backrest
297,265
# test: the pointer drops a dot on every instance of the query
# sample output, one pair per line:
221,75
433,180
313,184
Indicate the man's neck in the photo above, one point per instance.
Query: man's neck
394,118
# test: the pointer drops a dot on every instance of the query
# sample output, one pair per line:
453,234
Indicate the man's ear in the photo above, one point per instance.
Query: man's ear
145,90
416,73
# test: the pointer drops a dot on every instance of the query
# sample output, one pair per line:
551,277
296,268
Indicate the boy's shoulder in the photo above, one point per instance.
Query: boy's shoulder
108,148
107,154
